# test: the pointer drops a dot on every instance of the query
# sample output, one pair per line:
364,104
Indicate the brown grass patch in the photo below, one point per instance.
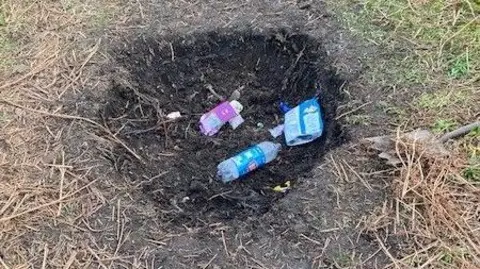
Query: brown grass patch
46,197
435,211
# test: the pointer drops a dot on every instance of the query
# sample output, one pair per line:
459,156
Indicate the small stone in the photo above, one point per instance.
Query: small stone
174,115
235,95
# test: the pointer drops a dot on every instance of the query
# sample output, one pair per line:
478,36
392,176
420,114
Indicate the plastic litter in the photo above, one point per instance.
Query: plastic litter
303,123
238,120
235,122
283,188
284,107
247,161
211,122
277,131
174,115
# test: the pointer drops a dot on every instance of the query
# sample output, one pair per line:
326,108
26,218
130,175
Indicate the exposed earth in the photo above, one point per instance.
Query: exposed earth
192,215
317,224
178,163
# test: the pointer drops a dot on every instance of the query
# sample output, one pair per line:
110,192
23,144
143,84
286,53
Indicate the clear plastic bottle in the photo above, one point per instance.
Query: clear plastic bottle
248,160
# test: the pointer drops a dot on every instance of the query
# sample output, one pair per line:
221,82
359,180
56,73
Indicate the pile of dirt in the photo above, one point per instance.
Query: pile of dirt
178,164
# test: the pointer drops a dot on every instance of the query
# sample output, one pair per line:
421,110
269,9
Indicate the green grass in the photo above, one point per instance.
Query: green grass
396,113
7,45
421,42
343,260
452,257
3,117
101,19
441,99
364,120
472,147
472,172
3,21
472,144
461,67
443,34
68,5
444,125
97,16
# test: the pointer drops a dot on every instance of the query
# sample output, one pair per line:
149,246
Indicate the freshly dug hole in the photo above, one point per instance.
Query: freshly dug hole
178,163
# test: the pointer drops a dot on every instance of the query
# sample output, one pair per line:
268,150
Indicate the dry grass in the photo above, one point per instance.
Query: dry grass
434,211
46,197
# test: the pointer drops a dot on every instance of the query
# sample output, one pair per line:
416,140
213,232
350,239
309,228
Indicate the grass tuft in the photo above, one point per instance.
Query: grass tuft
461,67
443,126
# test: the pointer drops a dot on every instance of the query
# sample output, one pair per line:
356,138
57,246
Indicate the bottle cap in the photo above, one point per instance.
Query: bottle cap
237,106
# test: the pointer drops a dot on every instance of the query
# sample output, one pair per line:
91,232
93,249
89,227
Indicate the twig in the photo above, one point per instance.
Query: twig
172,52
365,183
289,72
90,55
329,230
325,246
70,117
210,262
120,232
212,91
45,255
259,263
164,124
311,240
219,194
353,110
434,258
80,70
460,131
5,266
225,244
62,180
156,242
96,257
370,257
154,128
385,250
137,132
151,179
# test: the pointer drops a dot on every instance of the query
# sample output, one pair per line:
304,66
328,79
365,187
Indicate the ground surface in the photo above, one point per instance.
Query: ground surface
93,176
183,162
244,224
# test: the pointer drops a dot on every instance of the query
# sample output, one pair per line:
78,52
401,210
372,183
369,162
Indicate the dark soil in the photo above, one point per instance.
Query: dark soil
178,164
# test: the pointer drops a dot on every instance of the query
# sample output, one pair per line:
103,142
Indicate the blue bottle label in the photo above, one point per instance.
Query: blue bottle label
249,160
